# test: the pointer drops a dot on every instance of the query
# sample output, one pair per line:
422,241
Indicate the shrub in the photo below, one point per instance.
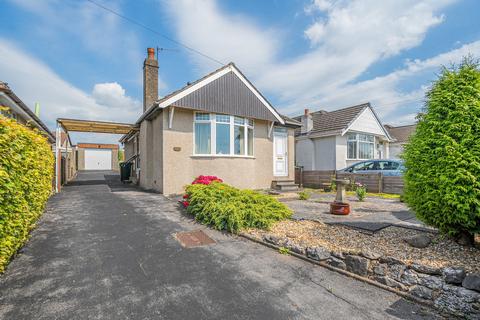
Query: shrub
206,179
304,195
442,158
26,172
227,208
360,191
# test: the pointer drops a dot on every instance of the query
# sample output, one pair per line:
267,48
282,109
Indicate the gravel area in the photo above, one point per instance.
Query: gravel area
442,252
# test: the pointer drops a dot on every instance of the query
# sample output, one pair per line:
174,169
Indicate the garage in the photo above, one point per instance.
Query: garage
98,159
92,156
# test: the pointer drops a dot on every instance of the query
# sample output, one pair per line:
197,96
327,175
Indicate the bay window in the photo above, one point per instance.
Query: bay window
223,135
360,146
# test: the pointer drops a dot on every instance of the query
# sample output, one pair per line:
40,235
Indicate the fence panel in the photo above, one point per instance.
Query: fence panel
372,181
393,185
318,178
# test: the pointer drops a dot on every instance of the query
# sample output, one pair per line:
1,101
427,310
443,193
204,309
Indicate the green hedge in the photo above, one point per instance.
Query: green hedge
26,173
227,208
442,158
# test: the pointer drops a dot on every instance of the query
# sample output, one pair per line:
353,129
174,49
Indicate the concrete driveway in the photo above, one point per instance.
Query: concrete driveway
107,252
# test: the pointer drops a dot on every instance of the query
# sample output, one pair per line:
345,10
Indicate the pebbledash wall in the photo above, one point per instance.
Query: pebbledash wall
169,166
81,153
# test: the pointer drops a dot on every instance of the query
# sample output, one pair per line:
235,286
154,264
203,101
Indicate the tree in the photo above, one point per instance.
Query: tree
442,158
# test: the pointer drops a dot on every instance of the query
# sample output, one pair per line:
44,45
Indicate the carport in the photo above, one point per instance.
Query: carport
65,157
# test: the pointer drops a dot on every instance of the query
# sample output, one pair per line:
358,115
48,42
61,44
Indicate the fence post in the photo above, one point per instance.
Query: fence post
380,182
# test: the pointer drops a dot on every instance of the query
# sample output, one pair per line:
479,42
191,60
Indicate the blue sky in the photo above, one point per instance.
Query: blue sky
80,61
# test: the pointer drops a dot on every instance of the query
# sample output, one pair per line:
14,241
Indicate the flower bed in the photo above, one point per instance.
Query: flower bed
444,273
227,208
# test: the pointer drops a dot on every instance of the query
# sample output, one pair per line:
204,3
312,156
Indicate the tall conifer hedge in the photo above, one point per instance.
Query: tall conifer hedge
442,158
26,172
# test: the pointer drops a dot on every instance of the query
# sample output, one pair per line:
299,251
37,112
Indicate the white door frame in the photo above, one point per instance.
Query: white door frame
284,135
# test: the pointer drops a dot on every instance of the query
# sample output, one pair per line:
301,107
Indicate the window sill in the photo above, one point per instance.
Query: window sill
221,156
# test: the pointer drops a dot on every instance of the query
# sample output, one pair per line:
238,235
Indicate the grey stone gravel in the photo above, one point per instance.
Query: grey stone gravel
419,241
421,292
357,265
453,275
318,253
337,263
472,281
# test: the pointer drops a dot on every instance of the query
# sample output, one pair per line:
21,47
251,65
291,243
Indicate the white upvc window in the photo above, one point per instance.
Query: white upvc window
223,135
360,146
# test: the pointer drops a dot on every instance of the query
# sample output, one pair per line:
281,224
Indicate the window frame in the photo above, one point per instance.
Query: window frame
247,124
357,142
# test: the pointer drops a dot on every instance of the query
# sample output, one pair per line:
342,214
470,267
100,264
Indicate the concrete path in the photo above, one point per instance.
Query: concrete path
109,253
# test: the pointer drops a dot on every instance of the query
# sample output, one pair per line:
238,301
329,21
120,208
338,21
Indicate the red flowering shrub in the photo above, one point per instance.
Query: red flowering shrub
206,180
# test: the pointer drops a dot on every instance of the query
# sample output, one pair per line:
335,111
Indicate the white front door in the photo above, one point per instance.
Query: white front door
98,159
280,154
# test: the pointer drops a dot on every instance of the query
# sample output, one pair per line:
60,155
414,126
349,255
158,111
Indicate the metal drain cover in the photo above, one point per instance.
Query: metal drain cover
194,238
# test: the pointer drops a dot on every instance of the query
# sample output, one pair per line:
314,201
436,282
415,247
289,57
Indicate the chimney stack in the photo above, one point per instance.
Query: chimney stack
150,79
307,122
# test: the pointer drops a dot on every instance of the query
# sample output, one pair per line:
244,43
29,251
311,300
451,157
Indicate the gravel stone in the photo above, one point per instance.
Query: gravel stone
390,260
272,239
396,271
432,282
472,281
357,265
409,277
380,270
459,300
419,241
390,282
453,275
422,292
426,269
371,254
338,254
337,263
318,253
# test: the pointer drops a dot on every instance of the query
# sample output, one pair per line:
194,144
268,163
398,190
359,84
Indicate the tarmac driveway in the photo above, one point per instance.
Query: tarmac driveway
102,251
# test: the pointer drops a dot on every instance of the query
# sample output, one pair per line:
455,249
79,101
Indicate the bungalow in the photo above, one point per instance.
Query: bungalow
333,140
20,112
400,136
218,125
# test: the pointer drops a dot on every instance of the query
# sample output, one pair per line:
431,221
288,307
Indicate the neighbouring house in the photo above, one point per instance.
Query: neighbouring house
17,110
97,156
333,140
218,125
400,136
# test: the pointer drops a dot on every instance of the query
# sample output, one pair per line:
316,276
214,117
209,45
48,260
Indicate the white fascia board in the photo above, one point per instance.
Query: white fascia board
344,131
214,77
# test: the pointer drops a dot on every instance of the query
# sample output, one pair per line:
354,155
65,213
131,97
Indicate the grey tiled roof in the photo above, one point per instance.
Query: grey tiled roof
337,120
401,133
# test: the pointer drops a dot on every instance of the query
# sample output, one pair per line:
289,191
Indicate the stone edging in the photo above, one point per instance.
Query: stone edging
451,303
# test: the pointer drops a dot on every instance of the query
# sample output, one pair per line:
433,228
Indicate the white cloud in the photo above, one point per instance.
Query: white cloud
33,81
227,38
347,38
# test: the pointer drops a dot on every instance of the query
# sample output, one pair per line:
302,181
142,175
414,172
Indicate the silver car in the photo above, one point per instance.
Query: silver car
386,166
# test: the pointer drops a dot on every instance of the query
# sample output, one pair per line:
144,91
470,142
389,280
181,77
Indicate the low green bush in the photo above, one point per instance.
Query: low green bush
26,172
227,208
304,195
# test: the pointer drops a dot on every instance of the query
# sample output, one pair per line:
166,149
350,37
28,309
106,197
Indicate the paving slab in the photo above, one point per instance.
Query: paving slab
372,215
98,254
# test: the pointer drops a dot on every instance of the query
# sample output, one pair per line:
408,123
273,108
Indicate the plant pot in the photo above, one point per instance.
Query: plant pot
339,208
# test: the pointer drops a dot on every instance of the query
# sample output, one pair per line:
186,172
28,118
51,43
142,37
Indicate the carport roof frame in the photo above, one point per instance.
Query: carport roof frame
76,125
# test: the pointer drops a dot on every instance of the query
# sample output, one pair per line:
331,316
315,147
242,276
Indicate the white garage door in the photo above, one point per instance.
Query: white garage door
98,159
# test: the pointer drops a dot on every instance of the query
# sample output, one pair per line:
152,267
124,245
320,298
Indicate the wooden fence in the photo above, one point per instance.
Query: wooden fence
374,182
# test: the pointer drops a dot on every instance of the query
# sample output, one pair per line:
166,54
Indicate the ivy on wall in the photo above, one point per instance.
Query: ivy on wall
26,173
